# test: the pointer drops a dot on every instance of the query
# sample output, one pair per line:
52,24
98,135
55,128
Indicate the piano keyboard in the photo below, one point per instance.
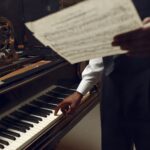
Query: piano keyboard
28,121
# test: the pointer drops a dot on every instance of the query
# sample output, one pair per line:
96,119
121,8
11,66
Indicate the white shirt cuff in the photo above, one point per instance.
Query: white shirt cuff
84,87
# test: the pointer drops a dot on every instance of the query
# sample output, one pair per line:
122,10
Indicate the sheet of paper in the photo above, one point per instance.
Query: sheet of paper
86,30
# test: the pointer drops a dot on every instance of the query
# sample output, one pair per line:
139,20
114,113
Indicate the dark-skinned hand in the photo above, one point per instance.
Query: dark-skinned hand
136,42
69,104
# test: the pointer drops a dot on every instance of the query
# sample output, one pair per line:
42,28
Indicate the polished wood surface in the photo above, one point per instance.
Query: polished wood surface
24,69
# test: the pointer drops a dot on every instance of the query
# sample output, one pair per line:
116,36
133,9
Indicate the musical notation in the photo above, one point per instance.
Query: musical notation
86,30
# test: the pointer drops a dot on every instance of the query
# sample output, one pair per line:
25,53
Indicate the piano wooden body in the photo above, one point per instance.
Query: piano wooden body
32,86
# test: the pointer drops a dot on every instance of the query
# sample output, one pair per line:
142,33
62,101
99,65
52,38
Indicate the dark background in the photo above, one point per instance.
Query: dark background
20,11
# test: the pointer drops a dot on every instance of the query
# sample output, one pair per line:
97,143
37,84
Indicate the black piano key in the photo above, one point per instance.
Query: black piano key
2,146
65,91
26,116
58,95
11,126
4,142
27,124
63,94
49,99
53,96
54,99
44,98
17,123
10,132
39,108
22,122
51,105
35,110
42,104
7,136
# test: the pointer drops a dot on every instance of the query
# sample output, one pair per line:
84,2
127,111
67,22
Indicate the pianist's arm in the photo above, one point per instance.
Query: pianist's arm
90,76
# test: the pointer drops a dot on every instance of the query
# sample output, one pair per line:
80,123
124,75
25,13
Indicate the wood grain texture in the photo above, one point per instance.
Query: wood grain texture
24,69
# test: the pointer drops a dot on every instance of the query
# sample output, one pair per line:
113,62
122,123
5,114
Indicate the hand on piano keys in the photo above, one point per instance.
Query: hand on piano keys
30,120
69,104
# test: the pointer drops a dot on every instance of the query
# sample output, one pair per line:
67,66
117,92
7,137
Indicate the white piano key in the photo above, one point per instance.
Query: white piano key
31,134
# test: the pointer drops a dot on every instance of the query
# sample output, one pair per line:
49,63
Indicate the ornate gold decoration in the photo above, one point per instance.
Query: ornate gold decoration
7,51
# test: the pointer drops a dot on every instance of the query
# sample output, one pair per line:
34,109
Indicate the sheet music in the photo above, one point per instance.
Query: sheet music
86,30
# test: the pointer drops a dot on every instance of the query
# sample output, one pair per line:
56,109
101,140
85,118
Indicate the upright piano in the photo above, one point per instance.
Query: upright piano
32,84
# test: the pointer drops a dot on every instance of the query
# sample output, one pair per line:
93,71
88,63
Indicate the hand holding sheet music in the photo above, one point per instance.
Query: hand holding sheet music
136,42
86,30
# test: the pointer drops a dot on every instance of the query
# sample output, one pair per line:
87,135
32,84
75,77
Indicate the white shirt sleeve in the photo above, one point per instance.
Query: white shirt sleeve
90,75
